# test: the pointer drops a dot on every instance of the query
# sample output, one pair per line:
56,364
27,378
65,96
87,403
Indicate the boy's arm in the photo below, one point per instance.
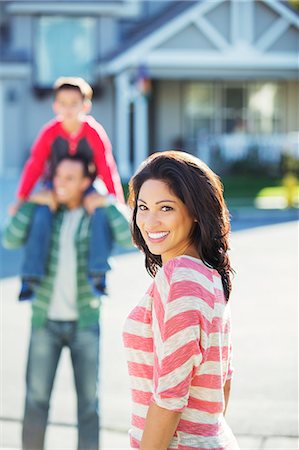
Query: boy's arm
16,231
104,161
35,165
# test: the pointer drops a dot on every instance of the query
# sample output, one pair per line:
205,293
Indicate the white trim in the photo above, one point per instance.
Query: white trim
272,34
129,8
248,31
134,54
234,22
2,115
14,69
223,73
244,58
211,33
140,129
283,11
122,138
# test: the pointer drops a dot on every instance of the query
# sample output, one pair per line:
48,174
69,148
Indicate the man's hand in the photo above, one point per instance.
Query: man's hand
12,209
45,197
93,201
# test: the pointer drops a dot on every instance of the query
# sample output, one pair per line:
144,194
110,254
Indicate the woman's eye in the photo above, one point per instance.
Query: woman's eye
167,208
142,207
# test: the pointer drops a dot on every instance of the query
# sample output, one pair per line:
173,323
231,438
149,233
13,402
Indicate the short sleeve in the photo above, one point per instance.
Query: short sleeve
176,333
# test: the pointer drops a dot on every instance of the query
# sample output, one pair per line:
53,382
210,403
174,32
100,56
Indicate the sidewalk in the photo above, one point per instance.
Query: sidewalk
263,406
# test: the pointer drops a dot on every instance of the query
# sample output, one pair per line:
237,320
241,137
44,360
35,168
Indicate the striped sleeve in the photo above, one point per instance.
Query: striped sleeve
118,218
16,231
176,334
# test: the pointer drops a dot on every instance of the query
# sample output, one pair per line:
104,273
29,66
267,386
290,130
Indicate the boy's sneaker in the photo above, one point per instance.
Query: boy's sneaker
27,289
98,284
26,292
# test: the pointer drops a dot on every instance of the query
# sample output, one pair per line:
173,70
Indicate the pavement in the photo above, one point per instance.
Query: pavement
263,409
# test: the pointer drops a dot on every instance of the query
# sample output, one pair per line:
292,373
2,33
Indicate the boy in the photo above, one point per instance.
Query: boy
72,132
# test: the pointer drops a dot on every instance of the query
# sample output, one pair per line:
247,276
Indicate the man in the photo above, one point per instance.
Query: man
65,311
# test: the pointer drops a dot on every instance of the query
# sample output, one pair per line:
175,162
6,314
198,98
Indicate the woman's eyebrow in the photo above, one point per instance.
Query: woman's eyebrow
165,201
157,203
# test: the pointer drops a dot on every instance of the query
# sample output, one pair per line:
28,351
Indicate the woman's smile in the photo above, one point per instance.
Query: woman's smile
157,236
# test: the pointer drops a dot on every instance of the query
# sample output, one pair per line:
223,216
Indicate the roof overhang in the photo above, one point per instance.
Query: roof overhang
14,70
125,8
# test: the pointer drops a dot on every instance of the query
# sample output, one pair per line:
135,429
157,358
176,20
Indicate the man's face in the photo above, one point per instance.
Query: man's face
69,105
69,182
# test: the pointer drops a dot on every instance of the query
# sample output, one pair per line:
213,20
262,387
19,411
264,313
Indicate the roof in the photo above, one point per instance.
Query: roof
188,21
146,27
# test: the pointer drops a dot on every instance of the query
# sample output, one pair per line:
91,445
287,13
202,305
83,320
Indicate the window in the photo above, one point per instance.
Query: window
64,47
232,108
265,108
199,116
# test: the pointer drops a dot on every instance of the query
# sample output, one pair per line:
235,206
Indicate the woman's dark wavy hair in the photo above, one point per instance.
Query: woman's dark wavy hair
201,190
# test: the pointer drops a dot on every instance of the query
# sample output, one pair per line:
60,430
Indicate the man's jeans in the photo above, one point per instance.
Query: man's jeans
45,348
39,239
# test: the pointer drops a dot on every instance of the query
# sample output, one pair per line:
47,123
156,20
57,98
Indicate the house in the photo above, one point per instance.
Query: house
215,78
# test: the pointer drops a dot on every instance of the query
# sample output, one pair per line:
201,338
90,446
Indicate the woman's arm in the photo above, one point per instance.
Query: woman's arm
160,426
226,391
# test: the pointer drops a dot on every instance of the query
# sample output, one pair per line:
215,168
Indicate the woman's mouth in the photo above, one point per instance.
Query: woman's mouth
157,236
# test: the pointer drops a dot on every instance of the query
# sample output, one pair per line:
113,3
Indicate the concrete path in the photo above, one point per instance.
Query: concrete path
263,407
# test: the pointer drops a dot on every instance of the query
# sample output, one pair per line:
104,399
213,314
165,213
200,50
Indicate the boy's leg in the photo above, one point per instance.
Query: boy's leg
100,246
44,352
36,250
85,358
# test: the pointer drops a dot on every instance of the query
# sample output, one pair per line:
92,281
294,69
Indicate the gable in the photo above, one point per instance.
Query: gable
261,33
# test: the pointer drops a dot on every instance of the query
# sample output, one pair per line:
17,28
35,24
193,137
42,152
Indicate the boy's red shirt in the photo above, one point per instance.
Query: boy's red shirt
53,142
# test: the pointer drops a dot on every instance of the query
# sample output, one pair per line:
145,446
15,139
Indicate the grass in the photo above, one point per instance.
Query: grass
238,186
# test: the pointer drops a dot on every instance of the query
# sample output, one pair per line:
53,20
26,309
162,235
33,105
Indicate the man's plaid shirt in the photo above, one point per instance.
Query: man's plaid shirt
15,235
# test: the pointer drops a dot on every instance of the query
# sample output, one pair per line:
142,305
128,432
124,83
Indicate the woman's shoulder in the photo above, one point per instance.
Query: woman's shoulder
185,263
189,272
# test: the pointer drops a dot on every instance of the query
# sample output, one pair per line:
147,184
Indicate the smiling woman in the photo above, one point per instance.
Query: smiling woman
178,338
164,221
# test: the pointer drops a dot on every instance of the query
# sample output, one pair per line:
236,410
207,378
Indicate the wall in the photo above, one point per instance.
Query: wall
292,104
168,120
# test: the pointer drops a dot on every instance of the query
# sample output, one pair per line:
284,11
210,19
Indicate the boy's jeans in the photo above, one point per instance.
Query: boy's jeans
39,237
45,348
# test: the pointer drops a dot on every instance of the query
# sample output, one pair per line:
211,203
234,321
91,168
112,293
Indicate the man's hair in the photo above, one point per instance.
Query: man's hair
88,166
73,83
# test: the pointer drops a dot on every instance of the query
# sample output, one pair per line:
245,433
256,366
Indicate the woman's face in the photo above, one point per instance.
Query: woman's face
164,221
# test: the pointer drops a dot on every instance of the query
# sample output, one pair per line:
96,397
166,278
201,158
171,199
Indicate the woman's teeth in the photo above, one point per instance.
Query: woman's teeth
157,235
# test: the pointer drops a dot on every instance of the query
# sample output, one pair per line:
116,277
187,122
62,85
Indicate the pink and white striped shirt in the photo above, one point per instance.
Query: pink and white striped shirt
178,345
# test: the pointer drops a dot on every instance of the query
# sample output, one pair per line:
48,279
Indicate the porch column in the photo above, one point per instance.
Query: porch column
242,30
2,128
122,129
140,129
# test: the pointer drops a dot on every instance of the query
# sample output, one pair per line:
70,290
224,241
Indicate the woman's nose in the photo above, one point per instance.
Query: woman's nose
152,220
